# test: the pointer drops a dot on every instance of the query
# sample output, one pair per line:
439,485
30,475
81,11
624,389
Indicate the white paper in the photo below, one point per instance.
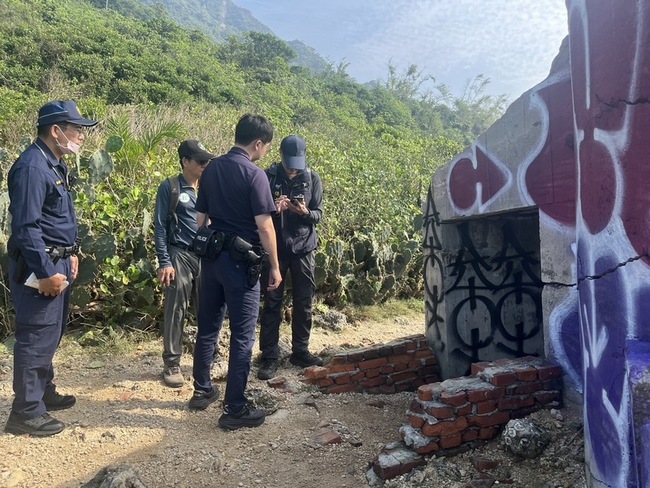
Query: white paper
32,281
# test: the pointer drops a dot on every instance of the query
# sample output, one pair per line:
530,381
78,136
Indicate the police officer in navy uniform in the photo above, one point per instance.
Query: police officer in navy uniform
43,242
236,197
298,194
178,268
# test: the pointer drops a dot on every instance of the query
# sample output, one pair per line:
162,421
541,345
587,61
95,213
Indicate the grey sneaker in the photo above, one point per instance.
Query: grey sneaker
39,427
173,376
248,416
267,369
201,400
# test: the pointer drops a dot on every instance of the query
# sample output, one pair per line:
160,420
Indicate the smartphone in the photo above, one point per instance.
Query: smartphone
298,199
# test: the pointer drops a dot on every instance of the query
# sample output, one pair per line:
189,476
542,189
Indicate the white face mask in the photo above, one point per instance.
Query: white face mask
70,147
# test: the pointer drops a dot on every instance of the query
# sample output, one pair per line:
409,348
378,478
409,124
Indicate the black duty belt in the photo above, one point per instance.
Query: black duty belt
62,251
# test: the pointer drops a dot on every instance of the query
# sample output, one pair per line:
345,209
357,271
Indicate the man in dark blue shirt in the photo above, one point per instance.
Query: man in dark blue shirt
236,197
178,268
43,243
298,194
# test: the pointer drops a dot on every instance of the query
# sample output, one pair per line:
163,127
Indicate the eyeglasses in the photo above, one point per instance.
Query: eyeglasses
77,128
203,164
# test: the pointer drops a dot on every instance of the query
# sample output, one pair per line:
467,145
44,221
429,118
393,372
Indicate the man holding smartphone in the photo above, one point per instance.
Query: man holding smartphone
298,194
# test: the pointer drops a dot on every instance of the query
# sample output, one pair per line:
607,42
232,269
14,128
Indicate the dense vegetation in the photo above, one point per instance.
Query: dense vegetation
153,83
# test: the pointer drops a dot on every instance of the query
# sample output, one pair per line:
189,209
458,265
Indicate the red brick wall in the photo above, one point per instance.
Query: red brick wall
461,410
401,365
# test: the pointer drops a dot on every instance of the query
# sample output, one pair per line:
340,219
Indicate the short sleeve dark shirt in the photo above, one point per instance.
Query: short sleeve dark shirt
233,191
41,207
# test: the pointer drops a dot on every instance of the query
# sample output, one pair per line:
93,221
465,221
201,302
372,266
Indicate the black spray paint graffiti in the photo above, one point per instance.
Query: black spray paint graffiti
503,283
433,266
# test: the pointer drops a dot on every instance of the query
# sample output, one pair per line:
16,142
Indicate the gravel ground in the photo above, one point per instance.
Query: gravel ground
125,414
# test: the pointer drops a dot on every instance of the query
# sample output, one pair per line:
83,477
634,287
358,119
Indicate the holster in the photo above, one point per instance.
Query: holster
208,243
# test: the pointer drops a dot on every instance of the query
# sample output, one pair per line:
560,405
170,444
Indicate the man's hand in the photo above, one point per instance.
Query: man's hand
282,203
300,208
166,275
74,267
275,278
52,286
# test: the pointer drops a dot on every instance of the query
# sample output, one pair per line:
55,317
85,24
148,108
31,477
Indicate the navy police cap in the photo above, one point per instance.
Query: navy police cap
59,111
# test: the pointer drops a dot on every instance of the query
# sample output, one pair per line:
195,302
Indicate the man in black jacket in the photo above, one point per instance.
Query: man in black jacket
298,194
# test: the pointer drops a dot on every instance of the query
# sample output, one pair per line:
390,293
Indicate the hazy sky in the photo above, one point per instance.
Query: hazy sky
512,42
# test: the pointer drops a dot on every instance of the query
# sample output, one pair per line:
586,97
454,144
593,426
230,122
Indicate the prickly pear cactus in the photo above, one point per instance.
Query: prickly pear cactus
100,166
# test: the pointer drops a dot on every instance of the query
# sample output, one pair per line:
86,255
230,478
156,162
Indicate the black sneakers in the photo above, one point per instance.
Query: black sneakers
201,400
56,401
39,427
305,359
246,417
267,369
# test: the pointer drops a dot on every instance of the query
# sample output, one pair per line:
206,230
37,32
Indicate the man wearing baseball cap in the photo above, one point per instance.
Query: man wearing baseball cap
175,226
43,242
298,194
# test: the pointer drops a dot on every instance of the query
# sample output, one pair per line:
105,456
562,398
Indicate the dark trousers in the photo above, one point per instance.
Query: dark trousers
224,282
178,295
40,324
303,286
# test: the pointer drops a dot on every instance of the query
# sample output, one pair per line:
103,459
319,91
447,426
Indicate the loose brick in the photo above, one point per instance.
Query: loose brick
526,374
477,368
449,441
424,353
406,375
439,412
340,368
338,359
402,358
342,379
388,369
489,420
483,464
325,382
545,397
426,392
525,388
327,438
503,379
470,435
400,367
416,421
430,447
372,373
488,433
465,409
486,406
379,380
547,372
372,363
455,399
315,372
342,388
446,427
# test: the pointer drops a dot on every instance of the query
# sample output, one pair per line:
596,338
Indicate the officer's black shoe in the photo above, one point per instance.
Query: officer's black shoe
40,426
246,417
267,369
305,359
201,400
56,401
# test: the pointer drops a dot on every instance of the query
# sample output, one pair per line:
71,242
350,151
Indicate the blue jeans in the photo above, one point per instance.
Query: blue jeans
224,282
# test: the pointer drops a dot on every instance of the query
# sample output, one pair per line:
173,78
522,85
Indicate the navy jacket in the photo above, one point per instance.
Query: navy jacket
41,207
296,234
166,231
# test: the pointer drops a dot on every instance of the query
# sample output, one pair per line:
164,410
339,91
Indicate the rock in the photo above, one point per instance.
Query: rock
263,399
332,320
523,438
121,476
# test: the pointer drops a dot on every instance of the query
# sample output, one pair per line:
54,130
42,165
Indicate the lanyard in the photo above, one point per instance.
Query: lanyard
62,177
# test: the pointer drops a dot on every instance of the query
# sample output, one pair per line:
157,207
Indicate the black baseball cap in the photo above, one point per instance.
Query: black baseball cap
62,111
193,149
294,151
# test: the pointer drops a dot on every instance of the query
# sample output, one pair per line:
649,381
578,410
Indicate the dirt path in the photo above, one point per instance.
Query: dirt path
124,413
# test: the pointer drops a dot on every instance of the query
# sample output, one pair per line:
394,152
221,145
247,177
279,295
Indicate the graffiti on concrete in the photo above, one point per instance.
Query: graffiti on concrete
433,276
